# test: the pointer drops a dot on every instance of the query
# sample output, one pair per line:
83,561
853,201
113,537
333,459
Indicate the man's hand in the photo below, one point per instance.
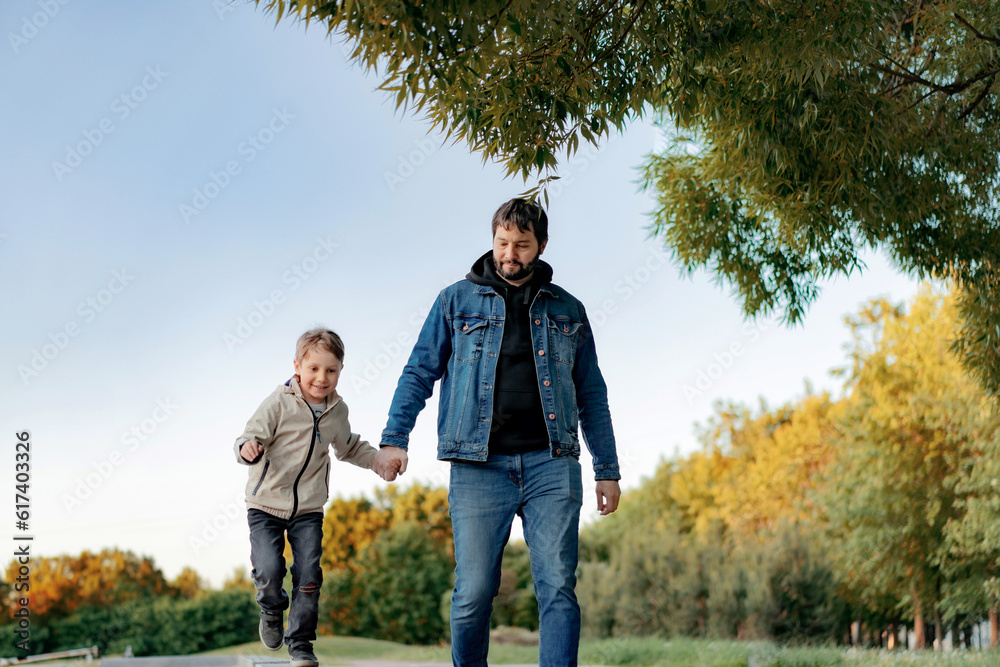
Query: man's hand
389,462
250,450
608,493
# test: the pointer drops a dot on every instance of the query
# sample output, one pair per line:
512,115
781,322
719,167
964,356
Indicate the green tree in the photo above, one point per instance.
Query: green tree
974,542
405,577
903,437
802,133
358,535
515,603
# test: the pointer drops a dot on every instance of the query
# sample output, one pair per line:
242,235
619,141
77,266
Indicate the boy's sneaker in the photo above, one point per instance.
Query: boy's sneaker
272,630
302,655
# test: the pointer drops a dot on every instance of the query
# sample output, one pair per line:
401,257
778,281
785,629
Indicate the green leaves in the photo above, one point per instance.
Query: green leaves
825,128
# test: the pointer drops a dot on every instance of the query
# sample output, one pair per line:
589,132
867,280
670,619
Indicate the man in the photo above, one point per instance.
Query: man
518,368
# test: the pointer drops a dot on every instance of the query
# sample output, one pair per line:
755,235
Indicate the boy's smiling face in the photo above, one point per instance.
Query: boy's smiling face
318,373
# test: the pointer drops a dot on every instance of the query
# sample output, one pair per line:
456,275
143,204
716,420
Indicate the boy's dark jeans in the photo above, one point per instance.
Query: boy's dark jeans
267,546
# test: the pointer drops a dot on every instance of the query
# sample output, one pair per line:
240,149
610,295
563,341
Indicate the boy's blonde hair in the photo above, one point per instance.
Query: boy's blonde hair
321,338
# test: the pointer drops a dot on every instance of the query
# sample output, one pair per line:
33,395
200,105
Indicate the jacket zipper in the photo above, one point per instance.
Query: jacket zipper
267,462
305,464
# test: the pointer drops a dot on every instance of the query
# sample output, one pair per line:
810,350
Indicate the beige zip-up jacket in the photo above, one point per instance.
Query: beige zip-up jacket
291,477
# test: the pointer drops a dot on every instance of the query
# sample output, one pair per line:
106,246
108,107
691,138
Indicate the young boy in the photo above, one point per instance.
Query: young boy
286,444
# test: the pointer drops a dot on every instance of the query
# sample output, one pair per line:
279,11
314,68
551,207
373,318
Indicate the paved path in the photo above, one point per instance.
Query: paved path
250,661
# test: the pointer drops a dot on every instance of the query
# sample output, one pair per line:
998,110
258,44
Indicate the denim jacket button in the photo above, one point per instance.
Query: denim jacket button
465,328
541,353
538,321
552,415
558,452
546,383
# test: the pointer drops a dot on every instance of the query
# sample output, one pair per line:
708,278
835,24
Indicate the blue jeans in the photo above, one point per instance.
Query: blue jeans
546,493
267,546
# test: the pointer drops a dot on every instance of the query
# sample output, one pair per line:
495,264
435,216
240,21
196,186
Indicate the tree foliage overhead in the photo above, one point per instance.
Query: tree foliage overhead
804,133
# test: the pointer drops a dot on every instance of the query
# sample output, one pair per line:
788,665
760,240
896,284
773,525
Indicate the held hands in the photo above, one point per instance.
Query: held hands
250,450
608,494
389,462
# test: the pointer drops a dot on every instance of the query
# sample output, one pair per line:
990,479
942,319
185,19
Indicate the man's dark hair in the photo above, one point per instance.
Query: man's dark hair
525,215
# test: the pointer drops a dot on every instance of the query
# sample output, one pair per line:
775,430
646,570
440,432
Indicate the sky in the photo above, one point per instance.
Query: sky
187,187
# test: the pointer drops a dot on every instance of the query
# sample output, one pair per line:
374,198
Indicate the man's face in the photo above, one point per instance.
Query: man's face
515,253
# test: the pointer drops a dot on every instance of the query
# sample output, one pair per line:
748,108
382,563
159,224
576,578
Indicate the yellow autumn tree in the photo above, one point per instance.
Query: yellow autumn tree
62,584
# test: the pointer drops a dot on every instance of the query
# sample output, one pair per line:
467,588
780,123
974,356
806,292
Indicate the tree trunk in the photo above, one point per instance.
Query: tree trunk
994,628
890,641
938,631
919,638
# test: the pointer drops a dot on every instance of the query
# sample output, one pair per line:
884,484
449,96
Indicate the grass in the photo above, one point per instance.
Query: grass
636,652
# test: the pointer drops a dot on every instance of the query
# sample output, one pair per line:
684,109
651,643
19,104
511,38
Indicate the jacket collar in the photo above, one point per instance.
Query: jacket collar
488,289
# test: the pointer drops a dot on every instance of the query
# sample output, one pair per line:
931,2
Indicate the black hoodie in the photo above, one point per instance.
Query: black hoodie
518,423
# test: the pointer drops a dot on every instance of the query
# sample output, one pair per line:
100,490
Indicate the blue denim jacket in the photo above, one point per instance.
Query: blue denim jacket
460,343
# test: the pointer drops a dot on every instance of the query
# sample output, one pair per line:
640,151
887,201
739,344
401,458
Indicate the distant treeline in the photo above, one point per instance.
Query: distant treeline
114,599
840,519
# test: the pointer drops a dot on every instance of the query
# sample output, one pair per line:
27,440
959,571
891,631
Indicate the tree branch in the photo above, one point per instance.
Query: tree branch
995,40
979,98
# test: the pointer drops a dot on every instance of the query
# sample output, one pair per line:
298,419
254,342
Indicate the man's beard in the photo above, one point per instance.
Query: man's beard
519,270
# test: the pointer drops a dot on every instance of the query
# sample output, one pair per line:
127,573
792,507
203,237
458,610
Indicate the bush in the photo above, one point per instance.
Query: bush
161,626
407,574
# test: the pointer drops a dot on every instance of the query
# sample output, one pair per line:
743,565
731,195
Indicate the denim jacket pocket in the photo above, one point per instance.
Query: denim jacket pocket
470,330
563,334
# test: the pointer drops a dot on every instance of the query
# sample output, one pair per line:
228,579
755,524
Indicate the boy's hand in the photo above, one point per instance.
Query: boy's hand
389,462
250,450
